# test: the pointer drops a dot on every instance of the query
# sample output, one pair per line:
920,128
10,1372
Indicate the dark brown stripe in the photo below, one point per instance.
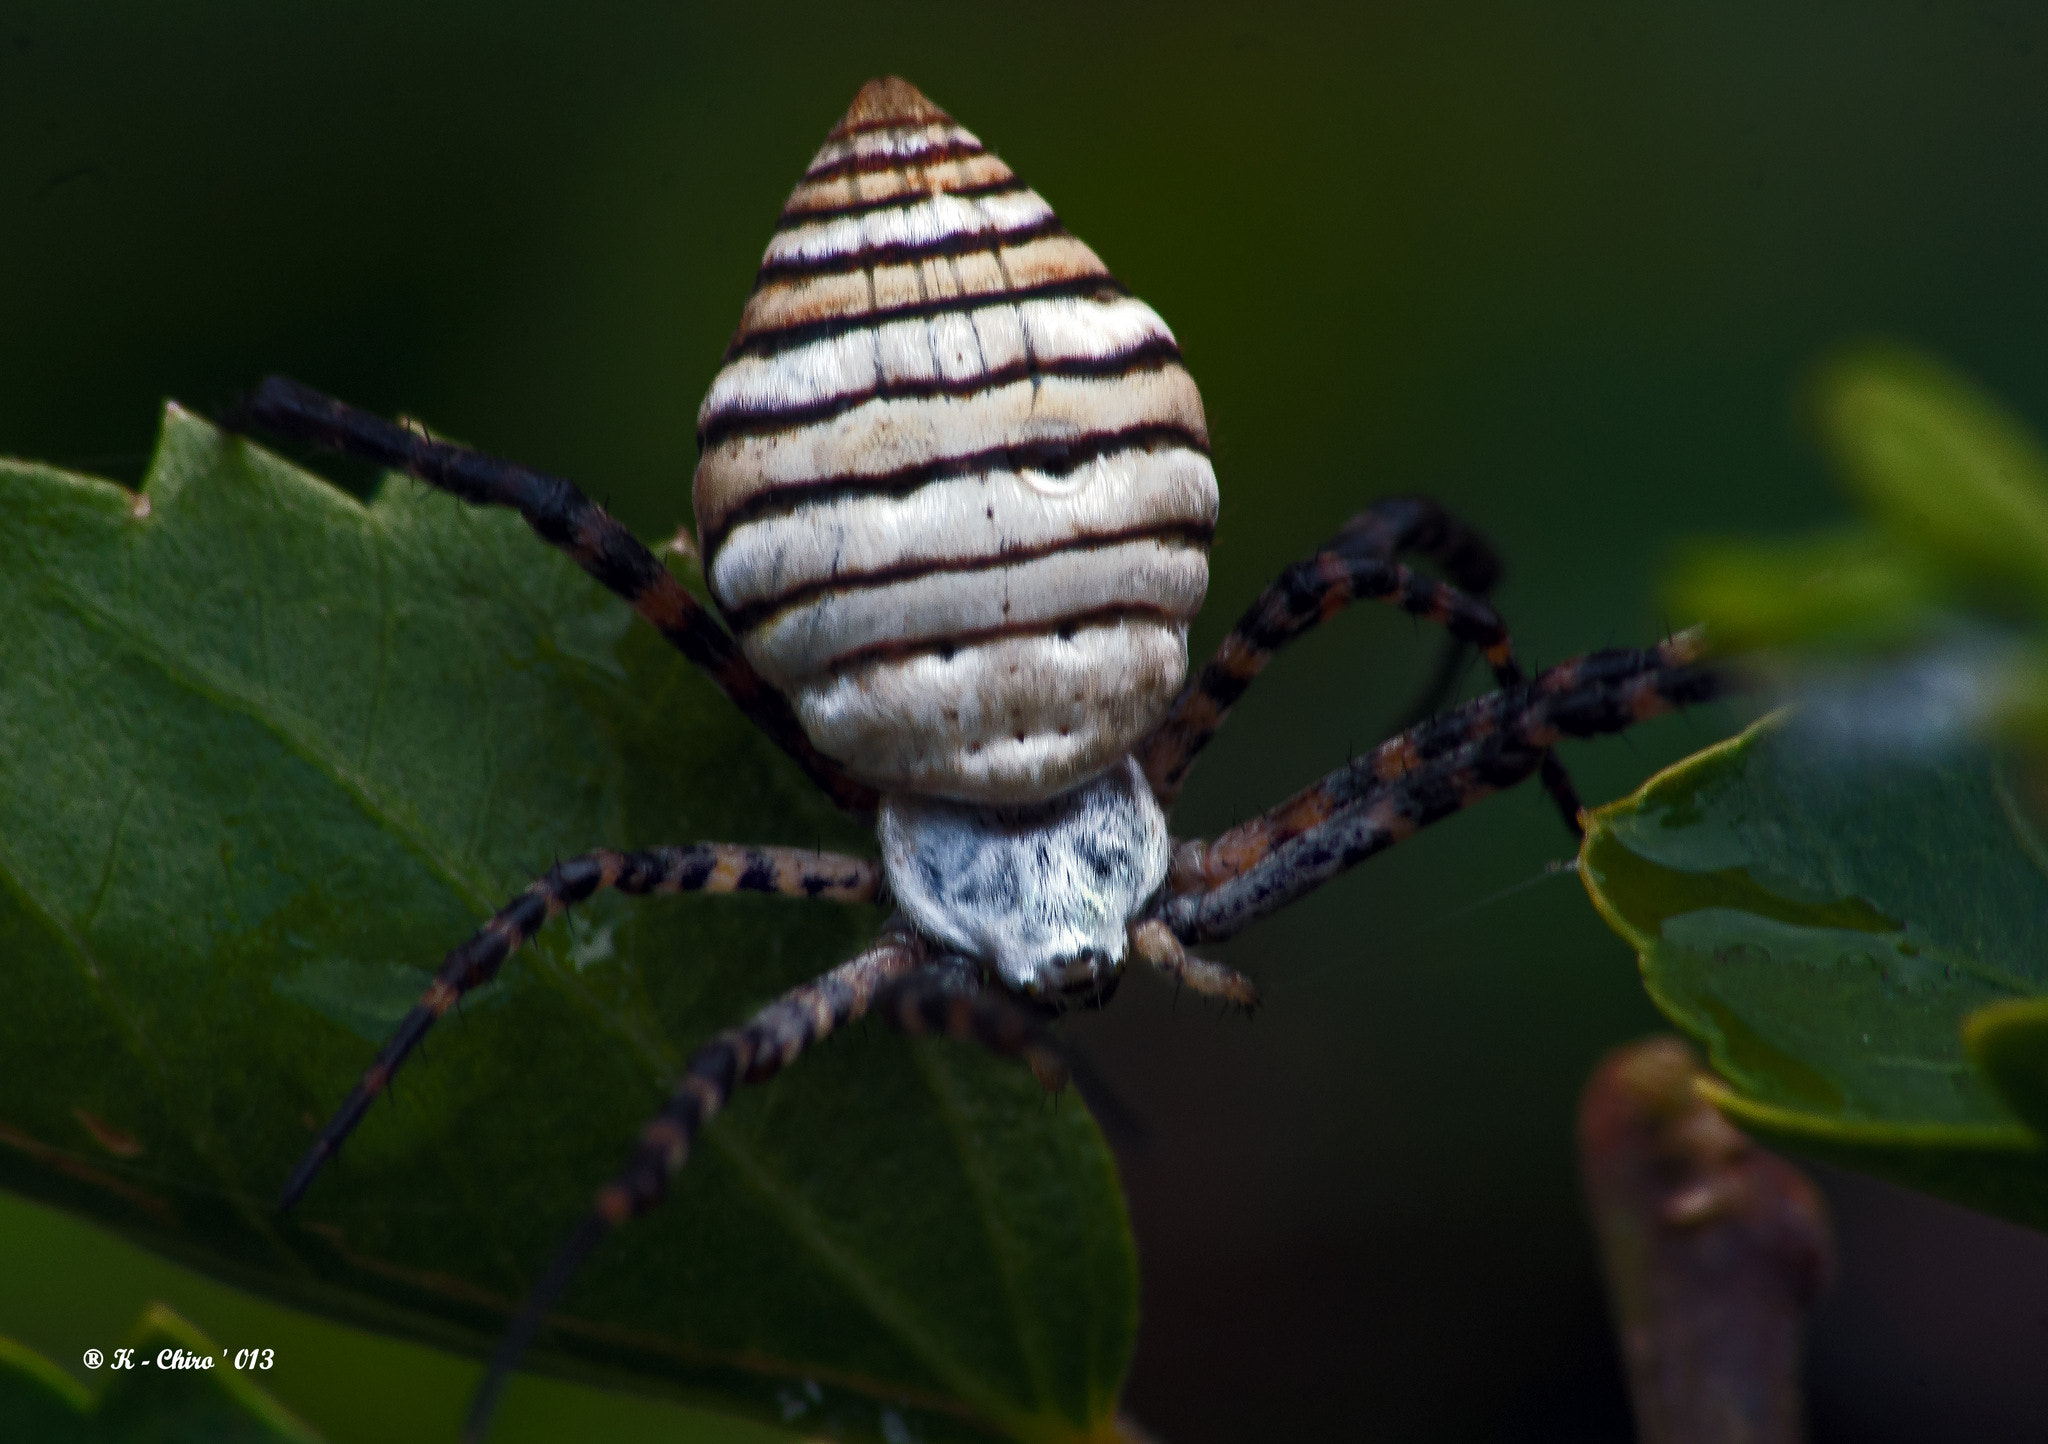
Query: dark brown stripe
869,164
1054,458
905,253
957,641
793,219
773,340
891,122
1148,355
753,614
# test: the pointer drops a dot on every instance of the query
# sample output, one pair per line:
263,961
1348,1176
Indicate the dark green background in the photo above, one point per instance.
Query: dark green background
1560,265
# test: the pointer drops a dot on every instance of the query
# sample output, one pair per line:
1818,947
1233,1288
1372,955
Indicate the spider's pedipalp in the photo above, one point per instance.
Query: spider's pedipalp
1359,563
751,1053
1154,942
564,517
700,867
1425,776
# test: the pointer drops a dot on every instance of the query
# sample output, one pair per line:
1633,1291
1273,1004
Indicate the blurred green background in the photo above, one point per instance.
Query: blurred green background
1561,266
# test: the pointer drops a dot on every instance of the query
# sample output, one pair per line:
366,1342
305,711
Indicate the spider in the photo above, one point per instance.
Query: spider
955,499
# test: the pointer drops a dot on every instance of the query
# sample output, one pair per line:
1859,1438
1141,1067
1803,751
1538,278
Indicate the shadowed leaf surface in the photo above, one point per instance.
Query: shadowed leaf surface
265,754
1829,918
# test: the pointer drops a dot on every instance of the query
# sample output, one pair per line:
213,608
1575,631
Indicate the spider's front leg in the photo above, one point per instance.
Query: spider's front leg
1359,563
564,517
753,1053
903,983
702,867
1423,776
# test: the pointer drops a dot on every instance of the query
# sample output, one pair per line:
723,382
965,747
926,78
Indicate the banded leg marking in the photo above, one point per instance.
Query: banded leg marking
565,518
1435,770
1199,865
751,1053
950,1002
702,867
1358,564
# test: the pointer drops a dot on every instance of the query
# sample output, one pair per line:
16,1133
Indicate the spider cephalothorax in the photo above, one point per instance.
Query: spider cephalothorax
955,501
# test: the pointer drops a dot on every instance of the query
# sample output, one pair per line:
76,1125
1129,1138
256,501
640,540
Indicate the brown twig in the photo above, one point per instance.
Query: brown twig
1715,1251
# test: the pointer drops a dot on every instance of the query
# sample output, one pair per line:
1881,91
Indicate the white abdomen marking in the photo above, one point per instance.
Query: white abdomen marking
954,491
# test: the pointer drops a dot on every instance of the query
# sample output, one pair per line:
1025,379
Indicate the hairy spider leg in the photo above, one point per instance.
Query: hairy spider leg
1199,865
952,1000
1357,564
700,867
565,518
1419,526
948,1001
901,983
1504,743
751,1053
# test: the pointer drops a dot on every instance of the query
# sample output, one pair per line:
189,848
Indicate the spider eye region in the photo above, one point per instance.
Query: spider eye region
1045,890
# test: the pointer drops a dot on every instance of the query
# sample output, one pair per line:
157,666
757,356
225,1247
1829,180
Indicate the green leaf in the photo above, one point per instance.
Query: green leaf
2009,1043
265,754
1851,590
1946,472
144,1403
1826,918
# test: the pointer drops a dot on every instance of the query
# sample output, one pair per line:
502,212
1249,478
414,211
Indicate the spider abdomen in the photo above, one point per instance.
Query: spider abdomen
955,489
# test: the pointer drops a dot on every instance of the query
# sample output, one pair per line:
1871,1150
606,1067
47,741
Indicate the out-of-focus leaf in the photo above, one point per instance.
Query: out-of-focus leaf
1825,919
1947,575
147,1402
1947,473
1851,590
265,754
39,1400
2009,1042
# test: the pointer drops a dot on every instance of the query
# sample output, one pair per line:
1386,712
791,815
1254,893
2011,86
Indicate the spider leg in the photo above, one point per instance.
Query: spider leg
1199,865
1423,777
702,867
1154,942
1419,526
565,518
1359,563
751,1053
950,1001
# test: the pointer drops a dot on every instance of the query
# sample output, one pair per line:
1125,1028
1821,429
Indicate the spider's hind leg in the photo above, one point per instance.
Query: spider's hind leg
1422,777
703,867
565,518
1359,563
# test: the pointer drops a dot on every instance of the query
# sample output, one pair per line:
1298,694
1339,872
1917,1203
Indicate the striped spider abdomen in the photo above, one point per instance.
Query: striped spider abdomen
954,491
